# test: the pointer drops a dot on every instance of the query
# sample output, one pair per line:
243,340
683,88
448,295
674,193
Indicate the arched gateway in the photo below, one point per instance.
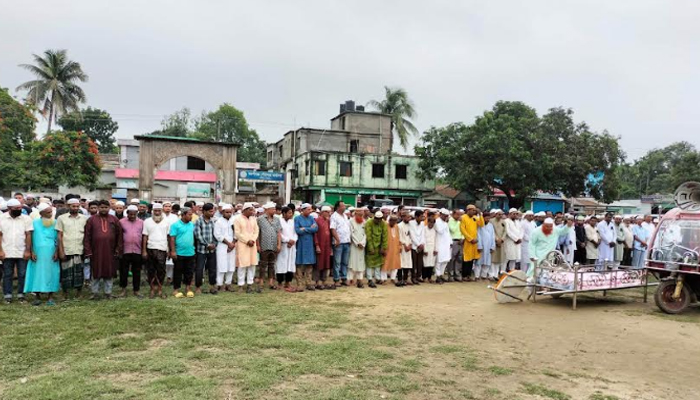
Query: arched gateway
156,150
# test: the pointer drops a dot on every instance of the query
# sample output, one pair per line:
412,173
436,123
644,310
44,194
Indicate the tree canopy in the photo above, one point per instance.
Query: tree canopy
512,149
97,124
226,124
401,108
55,90
660,170
17,124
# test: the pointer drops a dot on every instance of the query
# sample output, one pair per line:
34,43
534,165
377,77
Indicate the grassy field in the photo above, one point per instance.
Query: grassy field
271,346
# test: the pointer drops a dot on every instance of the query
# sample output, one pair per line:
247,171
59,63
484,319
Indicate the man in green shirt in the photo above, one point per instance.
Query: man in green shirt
181,237
454,266
377,233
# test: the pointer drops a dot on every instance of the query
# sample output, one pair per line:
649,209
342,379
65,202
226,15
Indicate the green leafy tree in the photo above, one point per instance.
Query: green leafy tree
17,124
228,124
510,148
659,170
178,124
55,90
63,158
96,123
401,108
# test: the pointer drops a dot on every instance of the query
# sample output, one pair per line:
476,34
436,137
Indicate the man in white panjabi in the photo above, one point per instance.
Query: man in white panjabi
569,242
608,238
285,266
526,226
406,247
358,242
443,242
513,239
225,248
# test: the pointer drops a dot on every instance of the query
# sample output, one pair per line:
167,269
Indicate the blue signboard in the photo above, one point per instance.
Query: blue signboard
260,176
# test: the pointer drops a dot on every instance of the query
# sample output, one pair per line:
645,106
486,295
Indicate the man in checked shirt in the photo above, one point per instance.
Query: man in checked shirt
206,249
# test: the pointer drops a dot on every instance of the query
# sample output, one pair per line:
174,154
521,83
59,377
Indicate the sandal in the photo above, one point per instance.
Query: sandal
290,290
179,295
190,294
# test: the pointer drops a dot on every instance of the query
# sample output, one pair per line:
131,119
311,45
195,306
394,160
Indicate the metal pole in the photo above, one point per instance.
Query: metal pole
575,285
534,278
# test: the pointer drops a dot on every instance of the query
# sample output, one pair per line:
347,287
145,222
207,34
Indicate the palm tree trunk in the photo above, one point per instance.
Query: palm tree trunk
48,130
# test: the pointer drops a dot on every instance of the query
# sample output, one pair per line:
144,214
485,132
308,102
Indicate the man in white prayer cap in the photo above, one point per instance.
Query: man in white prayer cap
544,239
443,242
71,227
154,249
498,257
269,246
512,240
246,228
225,248
15,247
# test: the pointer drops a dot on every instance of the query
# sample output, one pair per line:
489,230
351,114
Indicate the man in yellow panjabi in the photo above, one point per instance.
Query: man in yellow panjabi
469,225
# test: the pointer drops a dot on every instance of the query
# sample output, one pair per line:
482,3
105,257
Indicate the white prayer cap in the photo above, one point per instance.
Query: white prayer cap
617,216
119,203
492,211
2,199
226,207
199,203
157,206
305,206
132,207
529,212
548,221
42,206
413,214
134,201
444,211
221,204
259,210
379,214
3,206
168,202
13,203
248,205
512,210
498,211
269,205
626,217
326,208
45,200
461,211
73,201
351,209
541,214
638,217
580,218
656,220
28,196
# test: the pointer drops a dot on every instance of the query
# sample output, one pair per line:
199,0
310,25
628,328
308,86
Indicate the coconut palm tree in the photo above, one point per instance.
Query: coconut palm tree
55,90
400,107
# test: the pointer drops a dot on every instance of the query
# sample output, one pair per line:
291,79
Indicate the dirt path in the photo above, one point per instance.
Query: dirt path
617,345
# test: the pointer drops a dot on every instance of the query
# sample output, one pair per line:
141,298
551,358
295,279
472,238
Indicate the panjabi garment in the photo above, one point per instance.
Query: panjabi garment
306,228
608,237
322,240
225,259
286,259
377,241
358,237
499,227
405,240
443,241
469,226
392,261
591,237
430,249
103,241
541,244
246,231
514,233
44,274
527,227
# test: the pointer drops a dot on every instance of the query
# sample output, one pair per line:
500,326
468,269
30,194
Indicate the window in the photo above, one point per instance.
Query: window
377,170
306,167
345,168
281,149
269,157
342,124
195,163
354,145
401,172
319,167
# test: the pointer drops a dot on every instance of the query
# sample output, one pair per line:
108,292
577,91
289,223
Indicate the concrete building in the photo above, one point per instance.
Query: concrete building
351,161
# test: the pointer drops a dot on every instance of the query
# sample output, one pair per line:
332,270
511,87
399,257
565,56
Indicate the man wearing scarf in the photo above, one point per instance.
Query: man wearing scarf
71,232
544,239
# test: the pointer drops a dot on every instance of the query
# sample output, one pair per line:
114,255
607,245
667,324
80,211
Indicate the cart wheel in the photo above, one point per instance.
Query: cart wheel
665,301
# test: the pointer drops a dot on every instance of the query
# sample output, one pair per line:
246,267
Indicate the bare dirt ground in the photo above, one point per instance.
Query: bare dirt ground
615,347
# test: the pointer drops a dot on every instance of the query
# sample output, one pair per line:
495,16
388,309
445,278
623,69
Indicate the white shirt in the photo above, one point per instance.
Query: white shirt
223,229
341,224
443,240
157,234
417,233
14,234
649,226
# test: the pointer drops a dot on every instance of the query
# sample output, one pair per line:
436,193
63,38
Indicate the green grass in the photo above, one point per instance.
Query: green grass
601,396
539,390
500,371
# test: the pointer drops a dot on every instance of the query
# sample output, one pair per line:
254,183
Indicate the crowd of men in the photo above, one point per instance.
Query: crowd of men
64,245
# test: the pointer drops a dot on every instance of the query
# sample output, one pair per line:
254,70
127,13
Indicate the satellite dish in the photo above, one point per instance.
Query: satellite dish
510,287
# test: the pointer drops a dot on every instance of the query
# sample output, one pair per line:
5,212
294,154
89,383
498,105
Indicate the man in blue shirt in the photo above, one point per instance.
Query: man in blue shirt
641,237
181,238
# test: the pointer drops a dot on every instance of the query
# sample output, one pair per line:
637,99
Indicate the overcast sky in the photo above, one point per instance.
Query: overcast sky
630,67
